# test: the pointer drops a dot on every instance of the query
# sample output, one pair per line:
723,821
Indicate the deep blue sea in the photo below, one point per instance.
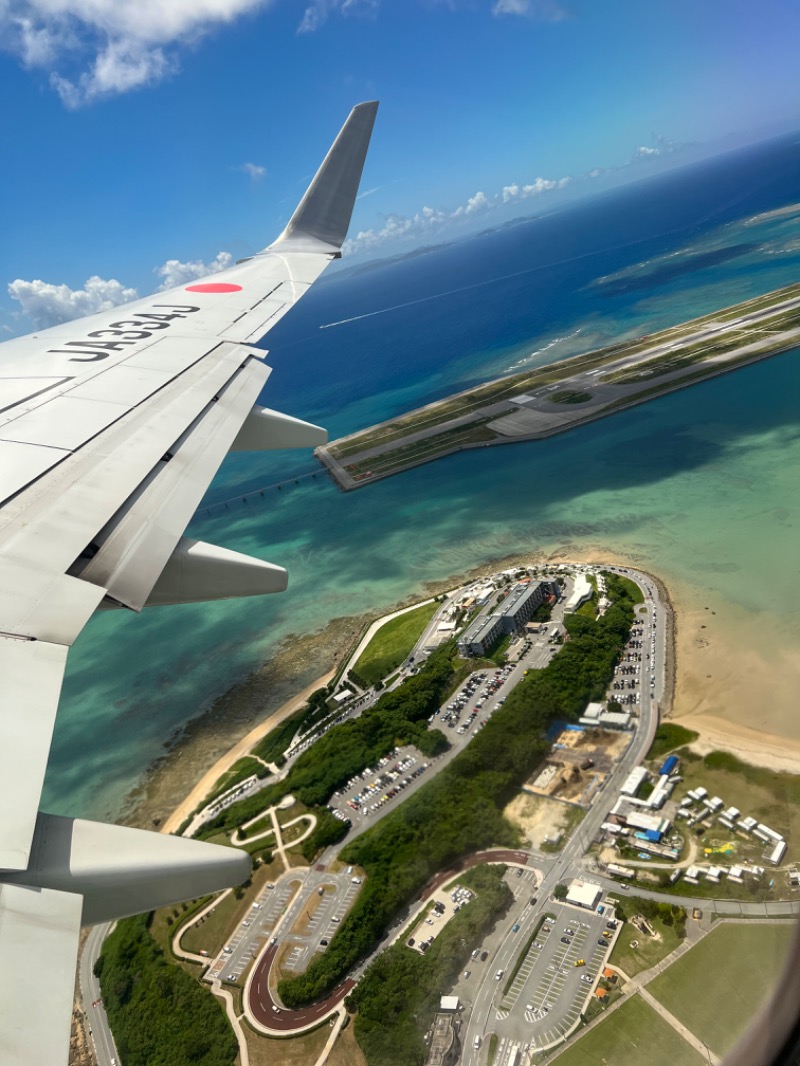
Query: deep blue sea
701,486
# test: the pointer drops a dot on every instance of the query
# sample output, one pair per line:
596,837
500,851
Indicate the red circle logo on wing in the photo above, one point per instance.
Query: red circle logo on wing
214,286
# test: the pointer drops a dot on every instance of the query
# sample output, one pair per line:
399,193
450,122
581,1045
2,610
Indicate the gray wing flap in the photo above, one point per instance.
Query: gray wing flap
136,545
31,672
39,931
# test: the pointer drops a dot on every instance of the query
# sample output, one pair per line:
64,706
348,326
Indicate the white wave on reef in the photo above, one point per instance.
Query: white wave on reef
526,361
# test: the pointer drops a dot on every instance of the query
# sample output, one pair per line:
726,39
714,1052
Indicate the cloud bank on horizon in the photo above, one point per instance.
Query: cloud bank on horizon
46,304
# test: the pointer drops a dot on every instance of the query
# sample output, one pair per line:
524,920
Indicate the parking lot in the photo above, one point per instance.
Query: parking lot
560,969
336,900
377,787
249,935
443,905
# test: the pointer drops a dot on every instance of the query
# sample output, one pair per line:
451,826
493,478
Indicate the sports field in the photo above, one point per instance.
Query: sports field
717,987
630,1036
392,643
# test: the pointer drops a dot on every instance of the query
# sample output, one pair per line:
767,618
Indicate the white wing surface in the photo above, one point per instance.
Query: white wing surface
111,429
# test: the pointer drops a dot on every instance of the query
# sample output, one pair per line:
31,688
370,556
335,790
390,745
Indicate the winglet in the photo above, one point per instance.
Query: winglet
322,217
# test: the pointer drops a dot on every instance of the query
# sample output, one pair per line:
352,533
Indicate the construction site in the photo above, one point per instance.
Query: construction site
578,764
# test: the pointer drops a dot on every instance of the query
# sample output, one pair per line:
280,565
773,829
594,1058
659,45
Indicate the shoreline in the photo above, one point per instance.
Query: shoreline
240,749
171,790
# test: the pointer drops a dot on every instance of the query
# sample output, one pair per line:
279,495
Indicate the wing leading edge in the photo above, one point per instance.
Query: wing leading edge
111,429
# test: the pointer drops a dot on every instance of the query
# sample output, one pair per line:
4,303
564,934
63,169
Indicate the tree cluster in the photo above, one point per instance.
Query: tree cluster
160,1015
275,743
399,994
398,717
669,913
327,831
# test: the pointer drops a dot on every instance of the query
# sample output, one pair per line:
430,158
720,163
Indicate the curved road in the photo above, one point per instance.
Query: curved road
278,1019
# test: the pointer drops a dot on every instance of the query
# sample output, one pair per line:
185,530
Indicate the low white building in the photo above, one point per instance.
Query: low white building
777,853
765,829
633,782
693,875
581,592
620,871
660,793
584,894
647,822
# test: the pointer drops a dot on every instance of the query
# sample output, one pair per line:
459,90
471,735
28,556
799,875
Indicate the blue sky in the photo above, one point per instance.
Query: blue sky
138,132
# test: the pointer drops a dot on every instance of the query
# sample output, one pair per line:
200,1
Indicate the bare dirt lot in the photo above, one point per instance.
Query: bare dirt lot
578,763
541,819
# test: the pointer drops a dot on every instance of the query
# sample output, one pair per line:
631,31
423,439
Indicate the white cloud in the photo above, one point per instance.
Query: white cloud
48,305
174,272
541,10
645,152
253,170
429,219
478,202
318,11
92,49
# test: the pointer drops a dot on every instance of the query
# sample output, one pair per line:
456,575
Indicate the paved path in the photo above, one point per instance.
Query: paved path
234,1019
701,1048
336,1028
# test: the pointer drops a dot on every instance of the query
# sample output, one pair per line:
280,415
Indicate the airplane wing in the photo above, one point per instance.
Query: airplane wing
111,429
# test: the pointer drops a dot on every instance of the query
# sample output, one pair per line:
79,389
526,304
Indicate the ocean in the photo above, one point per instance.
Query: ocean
701,486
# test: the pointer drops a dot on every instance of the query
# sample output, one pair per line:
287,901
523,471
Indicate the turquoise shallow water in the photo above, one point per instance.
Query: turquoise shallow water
700,486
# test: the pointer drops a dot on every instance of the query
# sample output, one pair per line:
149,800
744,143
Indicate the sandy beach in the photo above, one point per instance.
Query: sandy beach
242,747
719,691
735,689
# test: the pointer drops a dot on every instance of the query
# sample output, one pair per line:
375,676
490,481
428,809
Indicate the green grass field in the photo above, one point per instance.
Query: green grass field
649,950
633,1034
215,929
670,736
392,643
717,987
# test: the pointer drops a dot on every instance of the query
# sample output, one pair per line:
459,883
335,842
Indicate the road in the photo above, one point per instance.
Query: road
568,864
91,995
